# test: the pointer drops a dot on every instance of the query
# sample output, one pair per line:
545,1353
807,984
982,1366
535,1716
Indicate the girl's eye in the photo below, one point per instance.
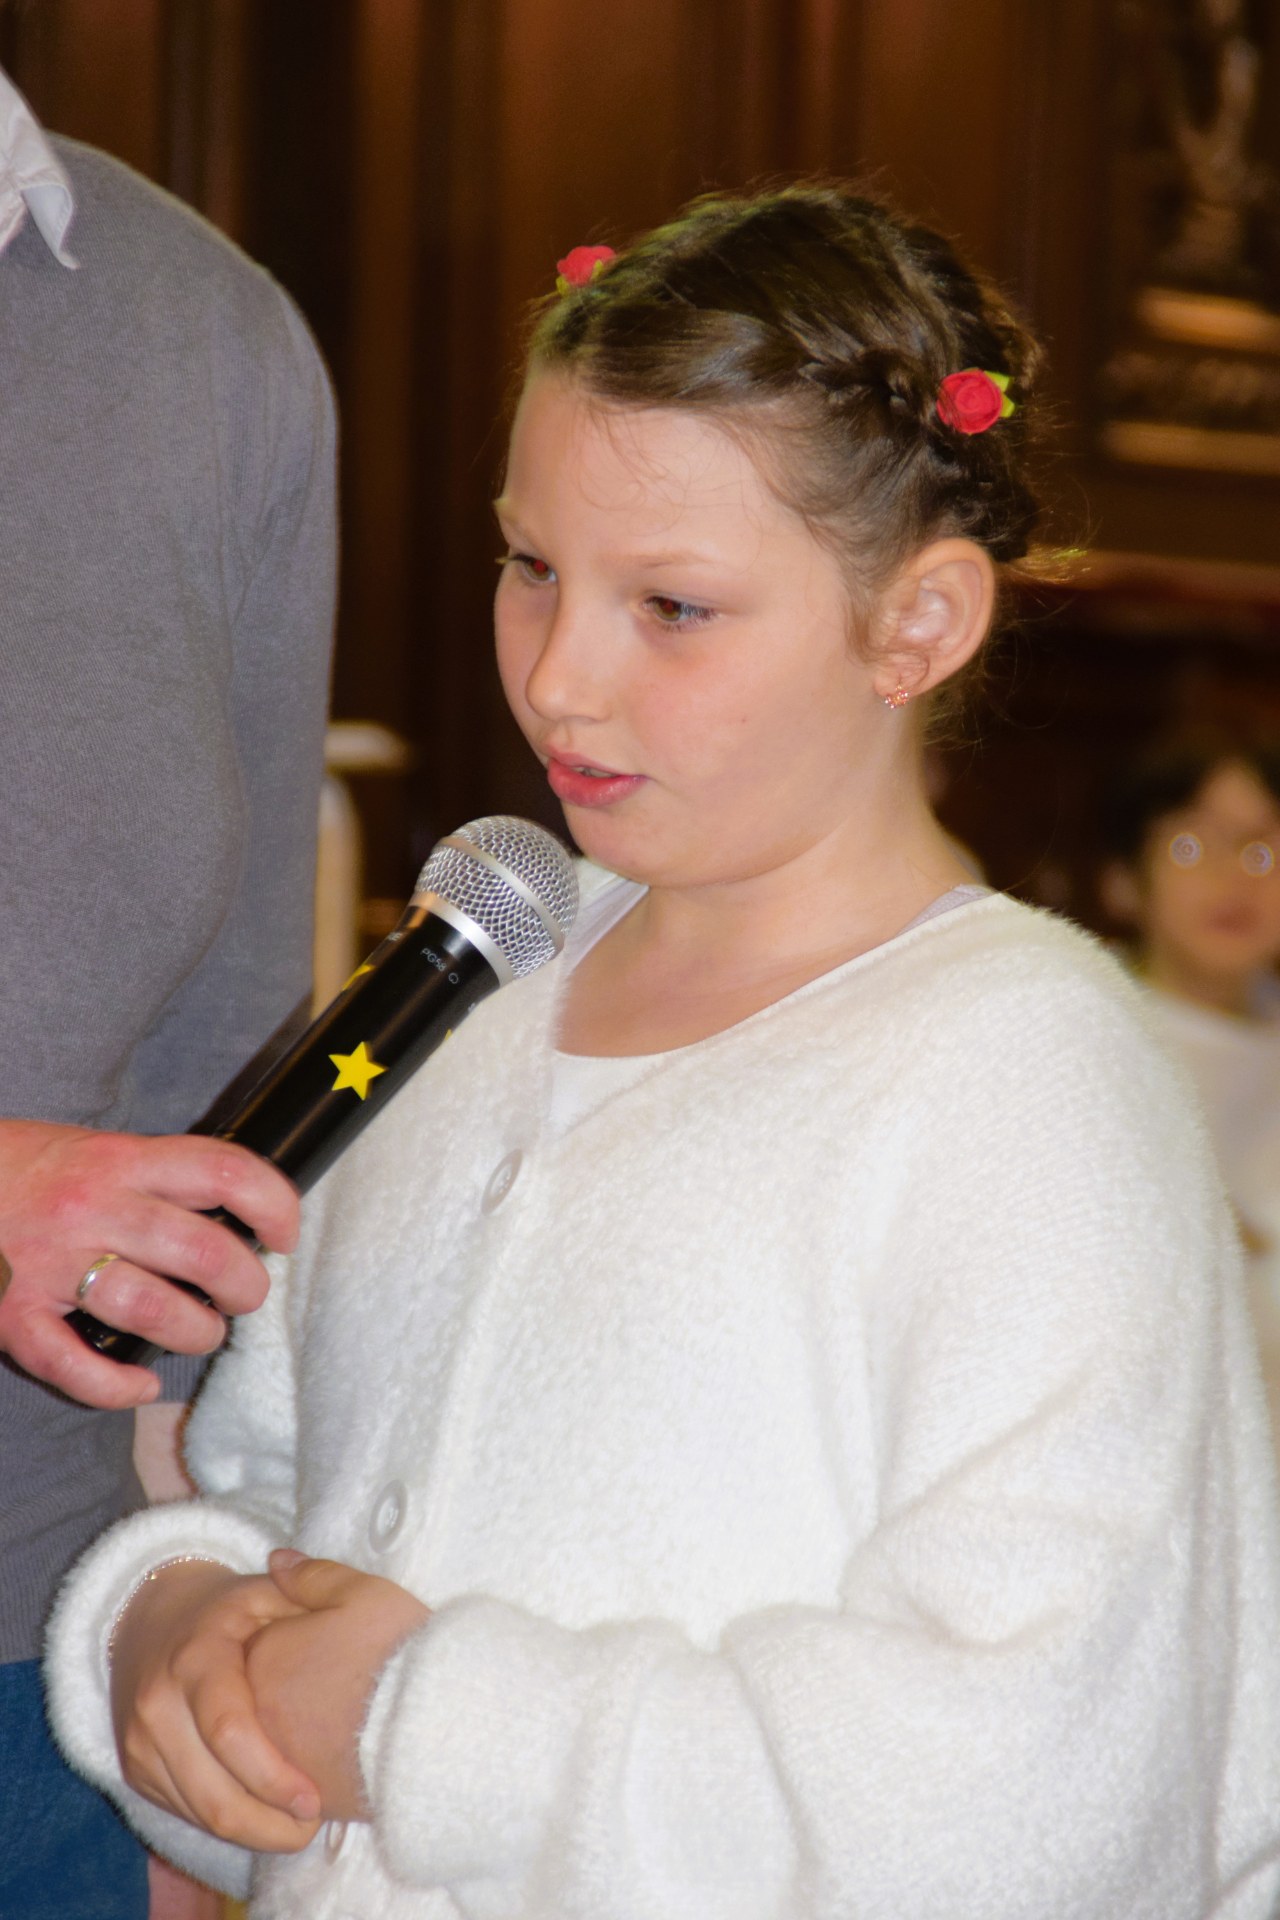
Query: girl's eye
538,572
681,614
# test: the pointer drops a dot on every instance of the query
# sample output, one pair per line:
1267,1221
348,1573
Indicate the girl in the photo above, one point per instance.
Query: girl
773,1400
1193,830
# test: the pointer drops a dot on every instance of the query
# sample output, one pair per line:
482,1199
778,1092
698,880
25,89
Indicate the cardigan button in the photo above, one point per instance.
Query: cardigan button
387,1519
335,1838
501,1181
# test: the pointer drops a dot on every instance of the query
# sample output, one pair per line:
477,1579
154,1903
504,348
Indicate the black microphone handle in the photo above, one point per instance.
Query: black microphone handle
393,1013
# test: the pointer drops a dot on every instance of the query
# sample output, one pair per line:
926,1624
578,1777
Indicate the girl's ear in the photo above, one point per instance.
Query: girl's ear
1120,893
933,617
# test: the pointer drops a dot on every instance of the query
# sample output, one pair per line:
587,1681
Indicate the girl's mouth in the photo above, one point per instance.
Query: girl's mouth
579,783
1233,923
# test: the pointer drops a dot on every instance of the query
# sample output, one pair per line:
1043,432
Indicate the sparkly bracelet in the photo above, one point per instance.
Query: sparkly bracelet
178,1560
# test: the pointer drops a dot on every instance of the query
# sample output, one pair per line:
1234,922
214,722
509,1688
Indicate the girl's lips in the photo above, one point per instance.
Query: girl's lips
577,789
1233,922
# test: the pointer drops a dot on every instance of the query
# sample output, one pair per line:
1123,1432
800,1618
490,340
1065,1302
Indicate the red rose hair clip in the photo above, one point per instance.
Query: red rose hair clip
971,401
580,266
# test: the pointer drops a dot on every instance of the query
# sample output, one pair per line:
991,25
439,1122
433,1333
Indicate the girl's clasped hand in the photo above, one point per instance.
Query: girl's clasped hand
238,1698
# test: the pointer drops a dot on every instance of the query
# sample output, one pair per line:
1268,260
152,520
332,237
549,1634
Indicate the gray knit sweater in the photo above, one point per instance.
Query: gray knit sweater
166,600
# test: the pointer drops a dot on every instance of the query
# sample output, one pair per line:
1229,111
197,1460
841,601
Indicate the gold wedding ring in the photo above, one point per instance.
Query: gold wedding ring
82,1291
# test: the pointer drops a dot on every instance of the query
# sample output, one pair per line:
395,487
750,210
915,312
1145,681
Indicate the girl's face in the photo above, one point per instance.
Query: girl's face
676,646
1211,885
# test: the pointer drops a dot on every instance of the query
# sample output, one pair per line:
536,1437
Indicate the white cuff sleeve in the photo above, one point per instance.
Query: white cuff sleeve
466,1740
485,1726
77,1664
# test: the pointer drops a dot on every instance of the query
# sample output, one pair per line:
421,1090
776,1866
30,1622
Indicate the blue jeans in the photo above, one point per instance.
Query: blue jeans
64,1852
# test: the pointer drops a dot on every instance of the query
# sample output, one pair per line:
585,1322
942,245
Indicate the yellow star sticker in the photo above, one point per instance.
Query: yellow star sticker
355,1070
363,968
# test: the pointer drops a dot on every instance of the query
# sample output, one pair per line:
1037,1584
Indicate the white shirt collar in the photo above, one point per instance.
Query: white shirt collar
31,178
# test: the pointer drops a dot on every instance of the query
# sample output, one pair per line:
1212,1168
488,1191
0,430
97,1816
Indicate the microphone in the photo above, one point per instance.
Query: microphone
494,902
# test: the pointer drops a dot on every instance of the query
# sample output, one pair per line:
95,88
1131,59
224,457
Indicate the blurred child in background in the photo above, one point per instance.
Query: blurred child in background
1193,831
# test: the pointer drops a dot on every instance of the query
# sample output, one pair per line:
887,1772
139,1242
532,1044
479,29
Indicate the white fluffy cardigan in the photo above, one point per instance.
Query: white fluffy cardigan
838,1466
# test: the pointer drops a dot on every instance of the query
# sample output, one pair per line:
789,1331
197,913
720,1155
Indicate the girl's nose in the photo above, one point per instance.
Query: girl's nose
566,680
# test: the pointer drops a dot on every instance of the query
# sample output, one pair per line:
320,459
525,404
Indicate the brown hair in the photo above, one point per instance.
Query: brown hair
1169,774
818,316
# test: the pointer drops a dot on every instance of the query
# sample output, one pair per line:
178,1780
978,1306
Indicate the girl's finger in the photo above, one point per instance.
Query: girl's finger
205,1794
309,1583
227,1723
282,1560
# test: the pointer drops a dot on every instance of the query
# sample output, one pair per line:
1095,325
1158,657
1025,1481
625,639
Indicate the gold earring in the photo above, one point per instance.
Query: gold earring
898,698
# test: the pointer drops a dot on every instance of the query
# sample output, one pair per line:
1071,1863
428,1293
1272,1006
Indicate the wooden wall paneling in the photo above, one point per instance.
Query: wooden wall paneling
381,349
226,181
1055,178
734,80
379,258
329,212
1052,201
298,218
24,38
471,755
1159,71
299,211
829,134
205,51
599,128
158,83
95,69
936,89
774,89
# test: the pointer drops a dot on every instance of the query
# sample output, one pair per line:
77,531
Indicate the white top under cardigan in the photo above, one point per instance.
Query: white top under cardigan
838,1465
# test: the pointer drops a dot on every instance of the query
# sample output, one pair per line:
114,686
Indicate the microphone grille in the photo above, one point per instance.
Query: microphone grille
514,880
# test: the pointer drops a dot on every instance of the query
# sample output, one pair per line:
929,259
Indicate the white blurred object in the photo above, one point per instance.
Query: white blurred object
350,746
364,746
1235,1063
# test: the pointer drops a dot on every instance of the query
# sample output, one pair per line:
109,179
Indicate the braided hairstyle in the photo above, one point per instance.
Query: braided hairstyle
819,326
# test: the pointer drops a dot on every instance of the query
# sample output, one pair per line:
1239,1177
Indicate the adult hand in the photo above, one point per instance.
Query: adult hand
69,1195
188,1733
312,1673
